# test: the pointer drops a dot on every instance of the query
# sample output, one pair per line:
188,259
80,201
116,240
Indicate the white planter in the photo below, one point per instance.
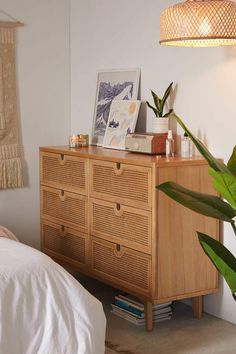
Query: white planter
160,125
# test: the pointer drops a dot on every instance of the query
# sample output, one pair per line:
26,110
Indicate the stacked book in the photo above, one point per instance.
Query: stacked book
132,310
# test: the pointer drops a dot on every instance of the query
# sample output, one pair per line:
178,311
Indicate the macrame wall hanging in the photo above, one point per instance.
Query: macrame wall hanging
10,151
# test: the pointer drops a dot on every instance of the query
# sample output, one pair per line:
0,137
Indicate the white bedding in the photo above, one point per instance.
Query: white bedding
43,309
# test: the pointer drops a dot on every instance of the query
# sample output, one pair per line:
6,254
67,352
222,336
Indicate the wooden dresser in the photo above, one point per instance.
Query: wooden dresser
102,215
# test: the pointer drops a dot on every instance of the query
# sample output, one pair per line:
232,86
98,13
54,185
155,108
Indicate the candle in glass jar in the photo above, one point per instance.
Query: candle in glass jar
73,141
83,140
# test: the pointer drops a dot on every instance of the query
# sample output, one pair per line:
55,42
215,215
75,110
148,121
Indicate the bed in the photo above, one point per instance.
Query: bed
43,309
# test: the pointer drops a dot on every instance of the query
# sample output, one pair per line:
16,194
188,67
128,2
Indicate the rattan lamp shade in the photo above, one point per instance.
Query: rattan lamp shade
199,23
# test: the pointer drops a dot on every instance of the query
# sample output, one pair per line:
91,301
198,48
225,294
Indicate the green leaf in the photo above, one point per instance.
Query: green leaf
225,184
166,95
214,163
154,109
157,101
168,113
232,162
204,204
161,109
221,257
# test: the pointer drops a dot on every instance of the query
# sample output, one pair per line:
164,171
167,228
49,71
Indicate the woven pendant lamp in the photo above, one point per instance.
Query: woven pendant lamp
199,23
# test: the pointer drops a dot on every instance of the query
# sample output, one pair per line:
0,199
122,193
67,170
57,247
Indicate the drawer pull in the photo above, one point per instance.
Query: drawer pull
62,195
118,210
62,159
62,231
118,169
118,251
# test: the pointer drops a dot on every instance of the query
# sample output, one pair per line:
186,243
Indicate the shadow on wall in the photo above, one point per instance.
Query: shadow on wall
142,118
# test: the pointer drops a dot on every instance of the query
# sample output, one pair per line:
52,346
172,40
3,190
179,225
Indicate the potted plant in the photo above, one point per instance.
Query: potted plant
224,181
160,122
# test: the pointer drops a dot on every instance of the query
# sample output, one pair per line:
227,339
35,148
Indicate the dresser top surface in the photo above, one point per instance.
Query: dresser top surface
101,153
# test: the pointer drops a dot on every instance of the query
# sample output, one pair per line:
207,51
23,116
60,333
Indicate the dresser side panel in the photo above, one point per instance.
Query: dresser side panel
183,266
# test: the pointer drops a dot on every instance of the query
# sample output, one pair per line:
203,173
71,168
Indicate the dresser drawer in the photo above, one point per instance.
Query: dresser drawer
121,224
121,265
64,243
64,208
121,183
64,172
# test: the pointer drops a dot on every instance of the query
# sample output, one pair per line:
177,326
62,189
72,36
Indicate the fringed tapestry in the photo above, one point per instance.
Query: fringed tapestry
10,159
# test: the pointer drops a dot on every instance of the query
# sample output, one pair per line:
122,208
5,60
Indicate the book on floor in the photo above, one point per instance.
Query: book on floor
156,312
140,321
133,301
132,309
132,304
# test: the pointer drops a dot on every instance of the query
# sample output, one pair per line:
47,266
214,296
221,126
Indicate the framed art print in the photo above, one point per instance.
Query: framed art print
112,85
122,121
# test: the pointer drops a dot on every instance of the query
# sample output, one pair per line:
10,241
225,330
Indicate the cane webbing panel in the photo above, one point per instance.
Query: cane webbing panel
130,268
64,172
65,243
70,209
131,224
199,23
132,184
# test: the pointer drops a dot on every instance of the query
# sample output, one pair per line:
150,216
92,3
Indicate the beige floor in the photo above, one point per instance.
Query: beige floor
181,335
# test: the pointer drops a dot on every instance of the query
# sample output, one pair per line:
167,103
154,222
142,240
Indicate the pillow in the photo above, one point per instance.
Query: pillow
4,232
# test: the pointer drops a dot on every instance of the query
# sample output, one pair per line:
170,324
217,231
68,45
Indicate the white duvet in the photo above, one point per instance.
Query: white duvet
43,309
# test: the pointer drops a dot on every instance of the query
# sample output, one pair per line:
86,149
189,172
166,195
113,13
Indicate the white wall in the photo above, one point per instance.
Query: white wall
121,34
43,82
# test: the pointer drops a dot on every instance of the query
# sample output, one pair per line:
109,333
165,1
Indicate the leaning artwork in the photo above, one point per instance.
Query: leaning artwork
112,85
122,121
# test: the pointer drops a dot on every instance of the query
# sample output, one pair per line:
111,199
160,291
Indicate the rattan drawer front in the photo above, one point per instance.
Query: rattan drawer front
121,265
65,208
64,243
122,183
121,224
64,172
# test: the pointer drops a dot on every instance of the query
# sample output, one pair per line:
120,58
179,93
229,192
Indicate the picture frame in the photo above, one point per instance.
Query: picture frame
122,121
120,84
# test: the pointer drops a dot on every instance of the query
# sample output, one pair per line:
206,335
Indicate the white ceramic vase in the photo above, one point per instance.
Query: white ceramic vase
160,125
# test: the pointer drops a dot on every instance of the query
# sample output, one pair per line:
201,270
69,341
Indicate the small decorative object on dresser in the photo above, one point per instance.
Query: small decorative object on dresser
160,123
122,121
121,84
80,140
147,143
186,146
102,215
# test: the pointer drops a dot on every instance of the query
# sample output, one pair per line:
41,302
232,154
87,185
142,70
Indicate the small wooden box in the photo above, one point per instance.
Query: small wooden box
147,143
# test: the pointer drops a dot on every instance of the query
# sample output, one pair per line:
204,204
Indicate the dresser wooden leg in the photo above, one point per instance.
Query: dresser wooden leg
148,316
197,303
